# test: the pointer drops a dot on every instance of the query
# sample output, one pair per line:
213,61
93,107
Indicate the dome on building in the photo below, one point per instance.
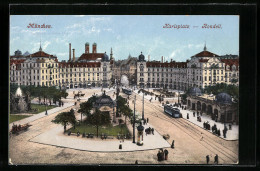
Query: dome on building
104,100
94,44
105,57
141,57
17,53
86,43
195,91
224,98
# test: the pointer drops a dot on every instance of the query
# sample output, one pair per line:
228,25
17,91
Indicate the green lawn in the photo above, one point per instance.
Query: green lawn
109,130
14,118
41,108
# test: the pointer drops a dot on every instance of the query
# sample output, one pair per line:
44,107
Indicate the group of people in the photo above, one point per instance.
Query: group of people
146,121
162,154
206,125
149,131
215,159
215,130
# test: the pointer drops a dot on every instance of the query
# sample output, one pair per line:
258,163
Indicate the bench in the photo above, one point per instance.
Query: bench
103,136
90,135
72,133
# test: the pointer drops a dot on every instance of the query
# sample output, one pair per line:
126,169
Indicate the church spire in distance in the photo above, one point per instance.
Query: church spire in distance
205,48
40,46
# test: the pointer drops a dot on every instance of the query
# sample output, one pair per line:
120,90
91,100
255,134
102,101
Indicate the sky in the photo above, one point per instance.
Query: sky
126,34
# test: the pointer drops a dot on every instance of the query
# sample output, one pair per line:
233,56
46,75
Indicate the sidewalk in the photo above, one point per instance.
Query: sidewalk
231,134
56,137
40,115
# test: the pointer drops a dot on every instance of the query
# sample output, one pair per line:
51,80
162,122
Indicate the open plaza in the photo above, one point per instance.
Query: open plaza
45,142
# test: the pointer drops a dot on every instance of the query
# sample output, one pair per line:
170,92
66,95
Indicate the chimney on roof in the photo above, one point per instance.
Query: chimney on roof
148,58
162,59
111,54
94,48
73,55
69,51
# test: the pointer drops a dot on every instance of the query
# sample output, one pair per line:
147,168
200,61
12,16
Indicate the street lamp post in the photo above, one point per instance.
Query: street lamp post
143,106
46,112
117,92
134,122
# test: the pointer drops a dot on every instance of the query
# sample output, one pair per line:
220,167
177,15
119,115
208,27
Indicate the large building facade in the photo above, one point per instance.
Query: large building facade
42,69
202,70
98,69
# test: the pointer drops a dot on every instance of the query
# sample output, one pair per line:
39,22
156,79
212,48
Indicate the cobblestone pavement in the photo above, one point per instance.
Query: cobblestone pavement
189,148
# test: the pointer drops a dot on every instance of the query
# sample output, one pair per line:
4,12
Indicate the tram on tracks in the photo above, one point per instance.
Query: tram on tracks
127,91
172,111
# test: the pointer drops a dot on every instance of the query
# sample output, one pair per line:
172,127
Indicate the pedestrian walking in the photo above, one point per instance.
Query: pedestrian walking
120,145
172,146
216,159
136,162
230,126
166,154
201,138
159,156
193,114
187,115
152,131
147,120
162,154
207,159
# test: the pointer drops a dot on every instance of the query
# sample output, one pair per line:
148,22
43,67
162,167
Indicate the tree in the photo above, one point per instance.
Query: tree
65,118
86,107
184,98
98,119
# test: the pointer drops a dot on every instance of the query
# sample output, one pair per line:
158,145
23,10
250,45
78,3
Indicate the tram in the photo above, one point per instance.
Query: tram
127,91
172,111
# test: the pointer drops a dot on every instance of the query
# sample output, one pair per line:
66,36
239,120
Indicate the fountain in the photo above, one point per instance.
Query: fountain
19,102
124,81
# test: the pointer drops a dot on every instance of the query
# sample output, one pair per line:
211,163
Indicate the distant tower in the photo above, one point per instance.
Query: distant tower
94,48
69,51
87,47
73,50
40,46
205,48
162,59
111,54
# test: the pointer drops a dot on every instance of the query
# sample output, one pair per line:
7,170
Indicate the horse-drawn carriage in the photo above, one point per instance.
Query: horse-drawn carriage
79,94
18,128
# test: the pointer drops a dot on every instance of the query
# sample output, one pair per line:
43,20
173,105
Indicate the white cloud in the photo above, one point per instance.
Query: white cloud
45,44
199,45
175,52
107,29
33,31
15,39
118,37
76,25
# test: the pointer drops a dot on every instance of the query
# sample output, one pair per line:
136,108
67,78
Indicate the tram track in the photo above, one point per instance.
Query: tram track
193,131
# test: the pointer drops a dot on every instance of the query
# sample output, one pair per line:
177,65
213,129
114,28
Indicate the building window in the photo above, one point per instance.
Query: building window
209,78
205,78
